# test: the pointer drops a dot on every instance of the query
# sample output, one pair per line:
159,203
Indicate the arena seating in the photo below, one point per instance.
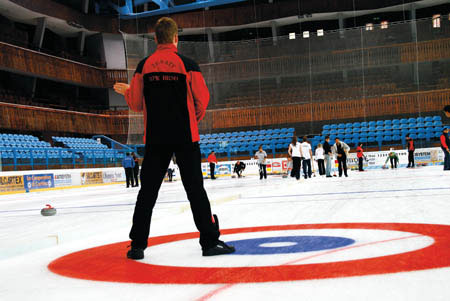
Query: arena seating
383,132
17,150
87,147
27,147
246,141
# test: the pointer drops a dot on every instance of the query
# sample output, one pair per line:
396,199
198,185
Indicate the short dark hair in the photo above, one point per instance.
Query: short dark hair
294,140
407,135
327,137
165,30
305,138
447,108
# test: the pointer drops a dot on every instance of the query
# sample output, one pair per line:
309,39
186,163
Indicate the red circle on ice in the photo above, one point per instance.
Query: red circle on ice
109,263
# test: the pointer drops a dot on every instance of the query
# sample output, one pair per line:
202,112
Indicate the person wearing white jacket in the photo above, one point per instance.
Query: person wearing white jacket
295,151
320,159
341,149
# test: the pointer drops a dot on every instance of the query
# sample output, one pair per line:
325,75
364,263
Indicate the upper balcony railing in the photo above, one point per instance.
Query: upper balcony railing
38,64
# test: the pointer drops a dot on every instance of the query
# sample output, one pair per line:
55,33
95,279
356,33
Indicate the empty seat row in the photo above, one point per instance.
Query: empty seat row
428,119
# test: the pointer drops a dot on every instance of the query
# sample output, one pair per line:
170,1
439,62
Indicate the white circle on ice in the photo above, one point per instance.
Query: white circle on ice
277,244
369,243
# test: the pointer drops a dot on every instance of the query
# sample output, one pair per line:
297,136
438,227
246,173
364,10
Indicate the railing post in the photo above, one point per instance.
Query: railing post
31,159
46,158
15,159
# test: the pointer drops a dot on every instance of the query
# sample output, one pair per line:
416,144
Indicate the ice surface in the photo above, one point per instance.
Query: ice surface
94,216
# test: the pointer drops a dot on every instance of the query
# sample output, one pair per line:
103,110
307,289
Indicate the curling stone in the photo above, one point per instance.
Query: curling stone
48,211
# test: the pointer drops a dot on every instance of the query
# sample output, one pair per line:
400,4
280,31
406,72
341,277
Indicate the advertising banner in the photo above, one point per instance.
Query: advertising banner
62,180
423,156
88,178
113,176
38,181
11,183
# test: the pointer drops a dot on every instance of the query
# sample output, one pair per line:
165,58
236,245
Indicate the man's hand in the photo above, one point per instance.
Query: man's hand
121,88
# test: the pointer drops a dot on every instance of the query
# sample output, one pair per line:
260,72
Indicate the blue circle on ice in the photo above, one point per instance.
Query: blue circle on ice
288,244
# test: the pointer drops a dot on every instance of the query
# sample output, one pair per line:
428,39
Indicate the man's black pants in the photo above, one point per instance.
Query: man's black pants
136,175
212,166
342,161
321,165
410,158
393,163
154,168
129,176
307,168
296,163
262,171
360,164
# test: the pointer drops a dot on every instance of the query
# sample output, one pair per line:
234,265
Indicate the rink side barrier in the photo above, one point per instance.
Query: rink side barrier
375,160
42,180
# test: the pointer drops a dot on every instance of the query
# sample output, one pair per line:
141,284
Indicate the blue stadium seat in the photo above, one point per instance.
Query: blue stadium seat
428,119
364,129
396,138
387,138
341,126
412,120
380,123
363,135
388,122
356,129
356,124
362,140
372,124
325,132
397,121
364,124
387,127
420,119
437,123
333,126
380,128
349,130
437,118
396,126
421,136
349,125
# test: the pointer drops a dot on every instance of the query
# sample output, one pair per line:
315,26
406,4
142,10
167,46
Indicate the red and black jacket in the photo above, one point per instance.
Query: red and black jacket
171,91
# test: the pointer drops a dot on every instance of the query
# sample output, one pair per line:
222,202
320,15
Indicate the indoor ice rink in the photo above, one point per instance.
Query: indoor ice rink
376,235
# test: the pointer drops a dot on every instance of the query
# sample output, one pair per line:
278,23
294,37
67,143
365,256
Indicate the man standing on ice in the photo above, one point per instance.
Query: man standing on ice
167,85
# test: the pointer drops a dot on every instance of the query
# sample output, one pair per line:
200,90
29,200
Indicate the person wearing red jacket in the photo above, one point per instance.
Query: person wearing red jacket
169,86
360,155
411,149
212,164
445,144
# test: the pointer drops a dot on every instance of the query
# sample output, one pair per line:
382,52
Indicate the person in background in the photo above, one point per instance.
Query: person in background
135,170
261,156
341,149
328,156
411,149
171,169
289,166
239,168
128,164
212,164
445,144
360,155
295,152
447,111
307,156
393,157
320,159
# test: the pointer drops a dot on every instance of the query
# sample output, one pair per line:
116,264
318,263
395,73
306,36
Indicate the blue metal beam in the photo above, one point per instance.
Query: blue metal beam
165,7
